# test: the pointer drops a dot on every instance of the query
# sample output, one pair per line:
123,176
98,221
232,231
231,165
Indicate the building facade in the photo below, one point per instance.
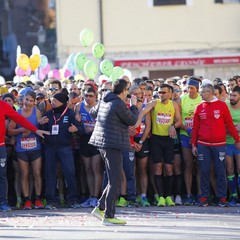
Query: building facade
156,38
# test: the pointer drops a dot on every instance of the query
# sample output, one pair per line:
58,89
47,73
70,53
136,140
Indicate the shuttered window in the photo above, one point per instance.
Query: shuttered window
227,1
168,2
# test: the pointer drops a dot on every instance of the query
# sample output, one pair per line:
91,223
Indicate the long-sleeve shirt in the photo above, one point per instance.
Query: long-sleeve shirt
7,111
210,121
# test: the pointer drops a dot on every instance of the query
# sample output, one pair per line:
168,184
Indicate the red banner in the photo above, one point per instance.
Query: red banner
178,62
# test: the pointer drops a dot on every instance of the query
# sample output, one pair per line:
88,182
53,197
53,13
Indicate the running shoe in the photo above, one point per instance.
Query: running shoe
223,202
96,212
27,205
138,198
4,207
94,202
38,204
18,204
87,203
233,202
161,202
169,201
188,201
144,202
178,200
203,202
122,202
132,203
113,222
50,206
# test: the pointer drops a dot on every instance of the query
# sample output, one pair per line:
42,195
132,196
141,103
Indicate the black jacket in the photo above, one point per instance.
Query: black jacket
113,120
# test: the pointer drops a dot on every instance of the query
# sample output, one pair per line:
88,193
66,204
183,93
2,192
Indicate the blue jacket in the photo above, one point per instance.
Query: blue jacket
63,139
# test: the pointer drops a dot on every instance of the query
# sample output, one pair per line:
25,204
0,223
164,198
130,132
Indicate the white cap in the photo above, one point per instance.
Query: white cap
206,81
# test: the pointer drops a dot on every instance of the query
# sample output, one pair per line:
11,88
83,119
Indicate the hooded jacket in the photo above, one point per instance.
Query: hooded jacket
113,119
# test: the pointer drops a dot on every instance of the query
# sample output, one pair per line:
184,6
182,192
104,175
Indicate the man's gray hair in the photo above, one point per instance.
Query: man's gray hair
133,88
208,86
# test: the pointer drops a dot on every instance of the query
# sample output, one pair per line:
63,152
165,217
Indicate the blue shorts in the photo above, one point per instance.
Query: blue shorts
29,156
185,141
232,150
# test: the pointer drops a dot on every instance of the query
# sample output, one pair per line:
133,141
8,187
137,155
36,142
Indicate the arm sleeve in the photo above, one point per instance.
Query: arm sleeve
128,116
16,117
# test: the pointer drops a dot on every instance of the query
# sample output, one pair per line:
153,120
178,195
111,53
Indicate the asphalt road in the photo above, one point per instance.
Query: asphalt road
179,222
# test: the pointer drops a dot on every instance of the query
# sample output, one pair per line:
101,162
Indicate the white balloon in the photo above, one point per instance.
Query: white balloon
35,50
2,80
128,73
18,50
33,78
17,79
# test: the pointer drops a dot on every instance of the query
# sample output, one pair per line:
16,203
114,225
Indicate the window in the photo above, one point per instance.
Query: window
227,1
168,2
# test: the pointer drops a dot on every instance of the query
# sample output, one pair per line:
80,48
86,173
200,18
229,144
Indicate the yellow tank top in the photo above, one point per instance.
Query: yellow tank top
188,106
162,118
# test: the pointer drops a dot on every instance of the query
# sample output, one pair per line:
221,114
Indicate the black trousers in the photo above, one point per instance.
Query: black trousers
113,165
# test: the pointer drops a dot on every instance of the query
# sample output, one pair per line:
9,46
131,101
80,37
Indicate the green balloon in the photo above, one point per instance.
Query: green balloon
79,60
98,50
86,37
106,67
90,69
116,73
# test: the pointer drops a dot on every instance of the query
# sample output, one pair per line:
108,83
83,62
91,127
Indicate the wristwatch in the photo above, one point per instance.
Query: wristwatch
140,142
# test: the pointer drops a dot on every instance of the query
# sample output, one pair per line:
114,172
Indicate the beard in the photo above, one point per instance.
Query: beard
233,102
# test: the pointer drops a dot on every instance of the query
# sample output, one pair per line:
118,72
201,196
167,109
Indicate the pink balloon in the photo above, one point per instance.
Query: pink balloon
28,71
54,74
19,72
41,74
67,73
47,69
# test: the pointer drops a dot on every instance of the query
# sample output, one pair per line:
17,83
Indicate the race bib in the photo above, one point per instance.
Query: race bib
28,143
164,118
189,122
89,126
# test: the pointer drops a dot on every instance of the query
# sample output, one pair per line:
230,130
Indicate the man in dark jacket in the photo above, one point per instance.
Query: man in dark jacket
61,123
111,136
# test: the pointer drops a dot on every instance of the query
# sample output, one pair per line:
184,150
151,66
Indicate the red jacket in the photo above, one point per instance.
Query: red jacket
7,111
211,119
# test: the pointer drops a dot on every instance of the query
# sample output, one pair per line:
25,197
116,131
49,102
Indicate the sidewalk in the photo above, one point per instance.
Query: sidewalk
179,222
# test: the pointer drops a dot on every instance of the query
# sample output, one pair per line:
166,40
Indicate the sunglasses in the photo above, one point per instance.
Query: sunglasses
90,96
104,90
176,91
162,92
53,89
